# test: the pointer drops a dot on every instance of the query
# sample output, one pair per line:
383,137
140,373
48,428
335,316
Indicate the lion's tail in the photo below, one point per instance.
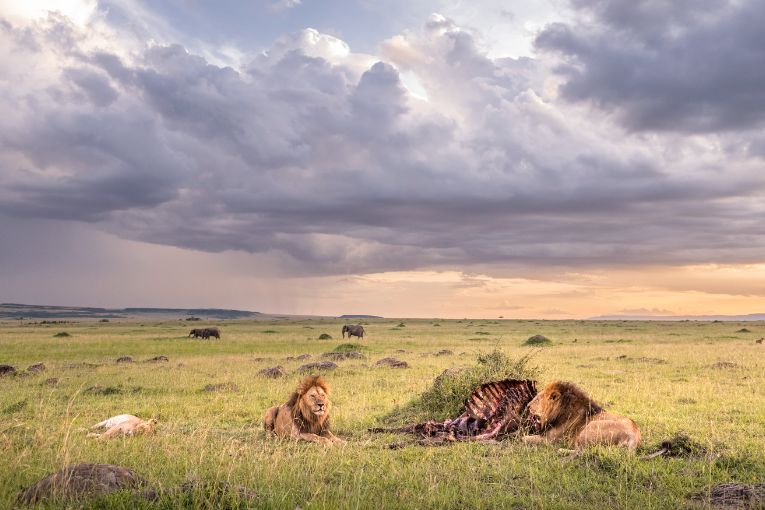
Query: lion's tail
269,420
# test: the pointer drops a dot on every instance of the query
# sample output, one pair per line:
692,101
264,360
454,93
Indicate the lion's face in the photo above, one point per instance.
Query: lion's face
546,405
147,427
315,402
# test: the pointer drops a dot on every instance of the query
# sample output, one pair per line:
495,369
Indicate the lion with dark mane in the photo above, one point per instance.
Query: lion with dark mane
568,414
305,415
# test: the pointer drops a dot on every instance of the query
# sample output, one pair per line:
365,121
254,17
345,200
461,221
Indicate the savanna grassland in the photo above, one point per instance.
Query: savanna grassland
703,378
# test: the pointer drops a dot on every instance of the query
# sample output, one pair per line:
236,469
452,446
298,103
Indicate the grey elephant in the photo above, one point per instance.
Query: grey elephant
352,330
208,332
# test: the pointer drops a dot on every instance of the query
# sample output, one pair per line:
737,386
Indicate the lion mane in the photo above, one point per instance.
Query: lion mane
568,414
306,420
305,415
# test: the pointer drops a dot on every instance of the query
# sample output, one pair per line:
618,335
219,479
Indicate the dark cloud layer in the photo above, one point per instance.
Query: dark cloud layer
323,156
689,65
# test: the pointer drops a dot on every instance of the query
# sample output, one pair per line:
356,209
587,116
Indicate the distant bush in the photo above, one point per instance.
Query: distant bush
268,331
349,347
104,320
325,336
61,334
537,340
401,325
446,397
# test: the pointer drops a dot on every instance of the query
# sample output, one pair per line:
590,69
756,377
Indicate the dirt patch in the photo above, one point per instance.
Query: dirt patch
317,365
391,362
340,356
36,368
213,388
158,359
7,370
642,359
734,495
82,364
724,365
273,372
299,357
81,481
124,359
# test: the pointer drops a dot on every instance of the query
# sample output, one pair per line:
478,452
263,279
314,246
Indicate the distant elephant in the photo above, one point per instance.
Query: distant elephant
196,333
353,331
208,332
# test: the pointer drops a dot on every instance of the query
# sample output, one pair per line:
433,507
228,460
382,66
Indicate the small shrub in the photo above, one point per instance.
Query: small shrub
401,325
446,397
537,340
325,336
268,331
61,334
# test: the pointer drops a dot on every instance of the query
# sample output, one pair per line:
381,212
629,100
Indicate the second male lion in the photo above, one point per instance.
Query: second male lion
305,415
567,414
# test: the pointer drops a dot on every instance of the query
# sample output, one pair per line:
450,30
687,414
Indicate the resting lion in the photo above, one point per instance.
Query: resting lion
123,425
567,414
305,415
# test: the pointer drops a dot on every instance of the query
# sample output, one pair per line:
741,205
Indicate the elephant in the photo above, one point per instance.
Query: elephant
208,332
353,331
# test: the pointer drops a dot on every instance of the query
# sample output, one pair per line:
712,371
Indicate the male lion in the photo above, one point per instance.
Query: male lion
567,414
305,415
123,425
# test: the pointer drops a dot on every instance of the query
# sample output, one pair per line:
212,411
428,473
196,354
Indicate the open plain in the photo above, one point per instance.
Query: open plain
704,379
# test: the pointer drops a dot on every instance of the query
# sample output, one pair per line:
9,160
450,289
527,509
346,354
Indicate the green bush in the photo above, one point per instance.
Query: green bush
446,397
61,334
325,336
537,340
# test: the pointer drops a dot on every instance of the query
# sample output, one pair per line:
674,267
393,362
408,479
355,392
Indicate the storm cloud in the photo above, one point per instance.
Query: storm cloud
326,157
688,66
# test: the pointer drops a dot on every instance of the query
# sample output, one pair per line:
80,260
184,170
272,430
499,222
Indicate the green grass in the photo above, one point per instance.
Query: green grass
660,374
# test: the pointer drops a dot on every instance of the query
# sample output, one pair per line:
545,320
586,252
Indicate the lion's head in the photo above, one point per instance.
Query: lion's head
146,427
562,402
310,404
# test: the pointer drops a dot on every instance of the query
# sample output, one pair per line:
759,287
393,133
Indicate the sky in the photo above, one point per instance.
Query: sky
551,159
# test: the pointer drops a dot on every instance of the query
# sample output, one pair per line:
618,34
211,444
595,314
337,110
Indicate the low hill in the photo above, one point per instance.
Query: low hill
16,311
732,318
